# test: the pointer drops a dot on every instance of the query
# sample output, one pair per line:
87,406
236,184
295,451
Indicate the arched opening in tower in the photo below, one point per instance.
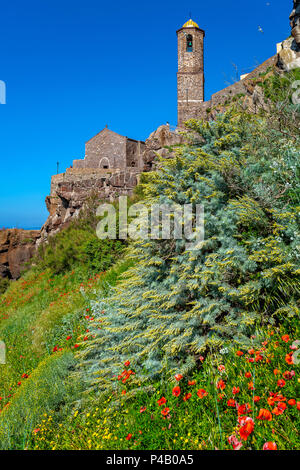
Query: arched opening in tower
189,43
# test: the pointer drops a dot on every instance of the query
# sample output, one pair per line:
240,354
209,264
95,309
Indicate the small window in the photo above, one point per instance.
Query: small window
132,164
104,163
189,43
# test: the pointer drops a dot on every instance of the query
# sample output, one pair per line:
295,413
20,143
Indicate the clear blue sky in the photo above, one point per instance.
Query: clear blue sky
72,66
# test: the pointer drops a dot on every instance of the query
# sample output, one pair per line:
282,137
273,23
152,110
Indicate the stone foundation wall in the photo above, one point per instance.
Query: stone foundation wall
244,87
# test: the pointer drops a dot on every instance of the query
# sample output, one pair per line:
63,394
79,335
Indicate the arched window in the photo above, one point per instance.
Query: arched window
104,163
189,43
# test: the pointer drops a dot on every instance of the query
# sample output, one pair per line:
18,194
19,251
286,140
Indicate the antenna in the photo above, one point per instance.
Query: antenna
57,165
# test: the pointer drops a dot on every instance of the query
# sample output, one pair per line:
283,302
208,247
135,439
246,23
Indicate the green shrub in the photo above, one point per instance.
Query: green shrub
77,246
4,283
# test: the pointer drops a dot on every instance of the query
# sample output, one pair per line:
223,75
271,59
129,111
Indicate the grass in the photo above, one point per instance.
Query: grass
204,411
43,390
37,315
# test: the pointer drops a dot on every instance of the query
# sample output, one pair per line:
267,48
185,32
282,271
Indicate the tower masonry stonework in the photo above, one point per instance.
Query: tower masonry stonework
190,76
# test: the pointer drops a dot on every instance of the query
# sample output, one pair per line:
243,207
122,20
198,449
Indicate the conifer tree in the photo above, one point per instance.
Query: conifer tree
175,304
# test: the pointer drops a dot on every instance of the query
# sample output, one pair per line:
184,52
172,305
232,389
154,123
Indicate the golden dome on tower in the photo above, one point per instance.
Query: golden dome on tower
190,24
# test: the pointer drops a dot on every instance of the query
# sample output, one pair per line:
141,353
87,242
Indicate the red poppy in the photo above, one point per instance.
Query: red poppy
68,338
270,446
165,411
288,375
128,437
231,402
235,390
256,399
279,408
192,382
285,338
251,351
292,402
289,358
221,384
239,353
276,371
178,377
202,393
247,427
187,396
161,401
281,383
127,363
264,415
176,391
250,386
248,375
244,409
221,368
142,409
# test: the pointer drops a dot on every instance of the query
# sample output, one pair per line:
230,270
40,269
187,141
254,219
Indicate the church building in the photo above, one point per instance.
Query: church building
109,150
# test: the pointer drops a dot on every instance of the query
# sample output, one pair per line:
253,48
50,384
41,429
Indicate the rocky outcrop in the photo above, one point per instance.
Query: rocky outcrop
289,51
70,190
17,247
289,55
295,21
160,143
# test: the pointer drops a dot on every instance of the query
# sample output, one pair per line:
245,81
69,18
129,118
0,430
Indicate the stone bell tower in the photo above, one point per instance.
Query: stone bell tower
190,76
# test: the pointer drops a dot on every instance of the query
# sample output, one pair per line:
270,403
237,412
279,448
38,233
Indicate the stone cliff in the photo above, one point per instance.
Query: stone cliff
17,246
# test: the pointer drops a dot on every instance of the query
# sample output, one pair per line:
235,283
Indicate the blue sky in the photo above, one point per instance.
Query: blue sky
71,67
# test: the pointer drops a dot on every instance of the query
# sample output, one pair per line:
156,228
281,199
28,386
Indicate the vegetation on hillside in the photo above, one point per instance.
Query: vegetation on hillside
78,246
170,348
177,304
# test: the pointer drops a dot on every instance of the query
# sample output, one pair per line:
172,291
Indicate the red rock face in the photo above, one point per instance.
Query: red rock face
17,246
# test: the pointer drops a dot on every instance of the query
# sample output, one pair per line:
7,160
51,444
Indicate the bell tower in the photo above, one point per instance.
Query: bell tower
190,76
